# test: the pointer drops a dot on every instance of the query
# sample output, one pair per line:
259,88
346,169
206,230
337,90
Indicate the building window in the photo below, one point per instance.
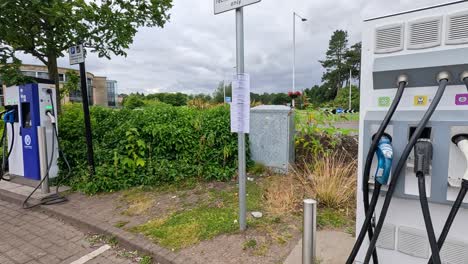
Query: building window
75,96
62,77
111,93
43,75
29,73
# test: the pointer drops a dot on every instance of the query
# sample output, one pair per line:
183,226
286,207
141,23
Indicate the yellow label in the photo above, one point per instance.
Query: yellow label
420,100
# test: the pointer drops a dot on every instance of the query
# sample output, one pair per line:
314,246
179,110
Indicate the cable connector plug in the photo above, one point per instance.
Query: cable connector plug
423,151
53,120
385,159
461,140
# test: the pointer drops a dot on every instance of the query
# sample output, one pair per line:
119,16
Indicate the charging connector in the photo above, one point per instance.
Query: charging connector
385,158
461,141
464,78
444,75
52,118
423,152
443,78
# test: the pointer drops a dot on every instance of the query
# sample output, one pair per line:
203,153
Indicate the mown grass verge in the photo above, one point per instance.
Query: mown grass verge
215,216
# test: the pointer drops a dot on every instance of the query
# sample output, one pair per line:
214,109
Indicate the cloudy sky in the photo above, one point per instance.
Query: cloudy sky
196,49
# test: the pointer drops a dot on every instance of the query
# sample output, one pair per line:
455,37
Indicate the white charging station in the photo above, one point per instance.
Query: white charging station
420,44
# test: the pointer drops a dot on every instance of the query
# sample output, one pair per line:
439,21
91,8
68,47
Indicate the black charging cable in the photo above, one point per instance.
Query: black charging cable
443,79
55,198
423,152
370,206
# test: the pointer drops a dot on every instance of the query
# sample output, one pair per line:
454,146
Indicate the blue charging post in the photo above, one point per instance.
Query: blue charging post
30,120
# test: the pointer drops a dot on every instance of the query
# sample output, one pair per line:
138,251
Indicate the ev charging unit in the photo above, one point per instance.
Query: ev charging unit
421,45
35,145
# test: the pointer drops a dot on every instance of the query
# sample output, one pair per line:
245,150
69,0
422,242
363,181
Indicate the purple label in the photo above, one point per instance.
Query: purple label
461,99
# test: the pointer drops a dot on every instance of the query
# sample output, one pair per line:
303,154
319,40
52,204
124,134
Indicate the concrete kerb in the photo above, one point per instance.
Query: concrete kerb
88,224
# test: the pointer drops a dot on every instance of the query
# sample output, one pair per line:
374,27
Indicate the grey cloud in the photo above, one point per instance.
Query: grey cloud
196,50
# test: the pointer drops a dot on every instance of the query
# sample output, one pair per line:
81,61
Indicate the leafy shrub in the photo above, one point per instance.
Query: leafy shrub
342,98
149,146
317,136
133,102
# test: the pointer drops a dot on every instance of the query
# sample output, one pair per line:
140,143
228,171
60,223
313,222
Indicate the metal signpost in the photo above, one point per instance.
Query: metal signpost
77,56
241,86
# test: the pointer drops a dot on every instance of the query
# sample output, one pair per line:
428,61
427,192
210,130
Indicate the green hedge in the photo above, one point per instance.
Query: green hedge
149,146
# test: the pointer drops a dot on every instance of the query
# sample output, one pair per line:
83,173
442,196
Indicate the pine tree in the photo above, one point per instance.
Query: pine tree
335,62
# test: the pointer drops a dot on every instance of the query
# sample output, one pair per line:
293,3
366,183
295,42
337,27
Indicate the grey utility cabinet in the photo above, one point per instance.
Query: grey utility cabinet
272,136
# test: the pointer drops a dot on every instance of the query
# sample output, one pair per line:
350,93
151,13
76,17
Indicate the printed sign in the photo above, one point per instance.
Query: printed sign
420,100
384,101
461,99
221,6
77,54
240,106
228,99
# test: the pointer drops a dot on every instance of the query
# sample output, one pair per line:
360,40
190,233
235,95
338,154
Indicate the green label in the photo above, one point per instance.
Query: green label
48,107
384,101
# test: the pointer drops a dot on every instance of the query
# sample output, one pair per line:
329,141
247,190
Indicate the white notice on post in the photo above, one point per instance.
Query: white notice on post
240,106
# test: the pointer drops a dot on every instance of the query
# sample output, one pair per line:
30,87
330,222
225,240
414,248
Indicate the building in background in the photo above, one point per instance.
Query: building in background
97,86
112,93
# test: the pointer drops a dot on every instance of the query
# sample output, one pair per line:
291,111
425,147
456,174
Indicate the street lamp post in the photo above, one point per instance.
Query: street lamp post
294,52
350,87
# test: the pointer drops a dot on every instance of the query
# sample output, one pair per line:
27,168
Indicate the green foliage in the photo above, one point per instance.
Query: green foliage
331,218
340,61
46,29
280,99
342,99
133,102
218,95
146,260
258,169
72,84
149,146
335,64
249,244
9,71
318,95
43,28
175,99
208,220
317,134
273,98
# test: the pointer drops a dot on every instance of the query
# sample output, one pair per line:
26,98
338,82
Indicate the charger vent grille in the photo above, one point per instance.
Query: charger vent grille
413,242
457,32
387,237
389,39
425,33
454,252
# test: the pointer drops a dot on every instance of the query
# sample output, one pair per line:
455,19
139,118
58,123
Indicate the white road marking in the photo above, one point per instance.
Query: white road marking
92,255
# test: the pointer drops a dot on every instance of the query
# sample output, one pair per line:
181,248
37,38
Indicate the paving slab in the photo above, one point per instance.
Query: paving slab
333,247
32,237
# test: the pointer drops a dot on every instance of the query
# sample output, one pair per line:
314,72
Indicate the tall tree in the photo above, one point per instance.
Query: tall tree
335,62
353,61
46,28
